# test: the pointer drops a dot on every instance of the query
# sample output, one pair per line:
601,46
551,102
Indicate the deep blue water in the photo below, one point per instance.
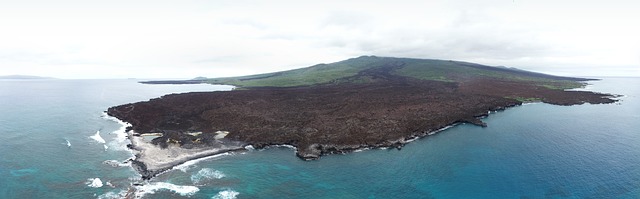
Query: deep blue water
532,151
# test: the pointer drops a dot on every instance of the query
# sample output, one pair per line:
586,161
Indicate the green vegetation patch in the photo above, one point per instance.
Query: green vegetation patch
526,99
562,85
317,74
426,69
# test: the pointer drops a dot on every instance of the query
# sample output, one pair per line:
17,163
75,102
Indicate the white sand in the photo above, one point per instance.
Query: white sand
157,158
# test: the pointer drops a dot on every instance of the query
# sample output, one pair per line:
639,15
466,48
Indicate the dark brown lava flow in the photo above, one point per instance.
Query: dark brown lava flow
336,118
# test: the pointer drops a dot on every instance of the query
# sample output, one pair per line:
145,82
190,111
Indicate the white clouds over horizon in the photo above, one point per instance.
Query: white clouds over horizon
182,39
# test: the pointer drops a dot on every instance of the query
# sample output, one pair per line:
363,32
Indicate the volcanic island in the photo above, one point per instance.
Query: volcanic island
363,102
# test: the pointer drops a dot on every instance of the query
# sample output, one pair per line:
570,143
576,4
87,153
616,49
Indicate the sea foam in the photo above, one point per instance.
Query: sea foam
115,163
249,148
98,138
184,167
226,194
68,143
120,141
114,195
151,188
94,182
206,174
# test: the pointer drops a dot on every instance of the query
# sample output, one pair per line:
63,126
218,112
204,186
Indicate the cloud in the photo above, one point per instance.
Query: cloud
466,36
199,38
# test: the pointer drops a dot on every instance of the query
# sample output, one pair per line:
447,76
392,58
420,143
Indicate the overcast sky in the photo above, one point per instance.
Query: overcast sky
189,38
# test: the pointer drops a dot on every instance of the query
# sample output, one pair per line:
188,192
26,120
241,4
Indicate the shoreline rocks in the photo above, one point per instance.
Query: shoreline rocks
151,160
319,120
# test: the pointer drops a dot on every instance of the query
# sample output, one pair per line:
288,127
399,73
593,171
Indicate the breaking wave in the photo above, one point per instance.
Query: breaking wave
226,194
121,134
184,167
115,163
151,188
98,138
67,143
206,174
114,195
120,142
94,182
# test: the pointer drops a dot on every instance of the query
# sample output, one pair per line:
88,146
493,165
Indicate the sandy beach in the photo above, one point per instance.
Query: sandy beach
151,159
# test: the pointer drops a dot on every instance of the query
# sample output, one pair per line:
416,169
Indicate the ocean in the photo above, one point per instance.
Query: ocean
56,142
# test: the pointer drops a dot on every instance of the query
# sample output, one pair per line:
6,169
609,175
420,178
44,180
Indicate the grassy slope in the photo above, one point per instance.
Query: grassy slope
428,69
317,74
455,71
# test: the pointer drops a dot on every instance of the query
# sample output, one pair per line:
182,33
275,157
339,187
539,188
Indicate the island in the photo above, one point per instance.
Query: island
363,102
24,77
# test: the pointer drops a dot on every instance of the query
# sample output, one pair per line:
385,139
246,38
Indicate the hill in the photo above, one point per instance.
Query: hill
355,71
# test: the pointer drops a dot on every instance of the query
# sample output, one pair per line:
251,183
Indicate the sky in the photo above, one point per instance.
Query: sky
88,39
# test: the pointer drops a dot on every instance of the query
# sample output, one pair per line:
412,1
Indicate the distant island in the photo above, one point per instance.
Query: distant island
363,102
24,77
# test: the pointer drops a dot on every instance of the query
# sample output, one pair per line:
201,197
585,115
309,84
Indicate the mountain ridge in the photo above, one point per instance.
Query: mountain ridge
427,69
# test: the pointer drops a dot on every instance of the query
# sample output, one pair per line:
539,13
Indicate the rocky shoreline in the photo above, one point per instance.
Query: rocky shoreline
388,111
151,160
319,120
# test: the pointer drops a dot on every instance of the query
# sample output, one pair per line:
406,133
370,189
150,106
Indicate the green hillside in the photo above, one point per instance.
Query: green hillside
358,70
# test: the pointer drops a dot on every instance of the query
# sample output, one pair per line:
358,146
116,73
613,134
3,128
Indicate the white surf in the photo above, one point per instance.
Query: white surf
226,194
98,138
94,182
151,188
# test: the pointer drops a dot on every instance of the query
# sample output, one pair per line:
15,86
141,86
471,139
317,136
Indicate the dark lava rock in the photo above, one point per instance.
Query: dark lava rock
335,118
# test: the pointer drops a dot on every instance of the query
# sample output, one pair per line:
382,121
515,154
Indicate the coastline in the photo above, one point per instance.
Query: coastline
322,119
397,144
151,160
316,120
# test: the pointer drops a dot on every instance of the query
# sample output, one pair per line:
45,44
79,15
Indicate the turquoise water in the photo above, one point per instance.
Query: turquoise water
531,151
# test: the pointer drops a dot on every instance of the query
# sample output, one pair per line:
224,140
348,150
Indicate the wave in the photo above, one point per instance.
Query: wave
120,141
98,138
115,163
151,188
68,143
361,149
226,194
184,167
280,146
94,182
108,183
114,195
108,117
206,174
